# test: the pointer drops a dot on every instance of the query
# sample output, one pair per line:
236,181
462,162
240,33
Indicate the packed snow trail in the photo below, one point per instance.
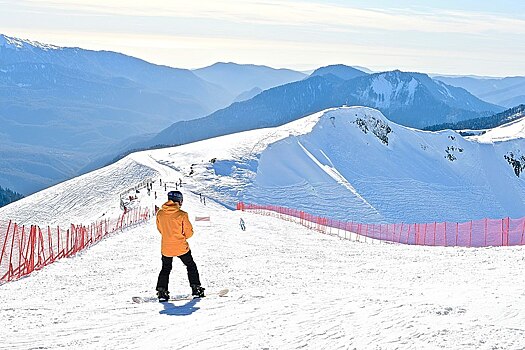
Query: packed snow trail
290,288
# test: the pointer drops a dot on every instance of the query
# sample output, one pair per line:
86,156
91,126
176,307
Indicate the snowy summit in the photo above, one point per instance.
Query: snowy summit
24,44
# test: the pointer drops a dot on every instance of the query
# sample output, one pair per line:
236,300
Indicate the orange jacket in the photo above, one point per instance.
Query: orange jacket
175,227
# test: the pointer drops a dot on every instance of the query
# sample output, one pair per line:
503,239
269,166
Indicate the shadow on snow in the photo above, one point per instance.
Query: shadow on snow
182,310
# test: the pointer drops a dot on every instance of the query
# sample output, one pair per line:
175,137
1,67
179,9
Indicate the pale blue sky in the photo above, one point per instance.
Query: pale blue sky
448,37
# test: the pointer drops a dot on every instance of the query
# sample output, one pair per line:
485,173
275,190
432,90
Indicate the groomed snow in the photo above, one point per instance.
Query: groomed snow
290,287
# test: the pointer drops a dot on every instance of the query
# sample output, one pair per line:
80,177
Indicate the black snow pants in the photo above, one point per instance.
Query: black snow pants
167,261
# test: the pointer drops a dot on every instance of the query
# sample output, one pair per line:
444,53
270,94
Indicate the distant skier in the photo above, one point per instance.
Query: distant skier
243,226
175,227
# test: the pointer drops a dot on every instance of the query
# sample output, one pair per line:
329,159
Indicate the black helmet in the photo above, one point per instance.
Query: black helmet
175,196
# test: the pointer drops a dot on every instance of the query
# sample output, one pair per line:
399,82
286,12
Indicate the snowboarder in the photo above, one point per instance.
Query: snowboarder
175,227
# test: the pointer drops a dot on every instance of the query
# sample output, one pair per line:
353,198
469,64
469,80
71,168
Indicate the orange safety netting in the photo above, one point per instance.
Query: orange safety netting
476,233
24,249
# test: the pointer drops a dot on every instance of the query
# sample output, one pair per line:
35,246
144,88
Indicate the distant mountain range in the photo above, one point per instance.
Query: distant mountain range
69,110
411,99
248,94
490,122
507,92
242,78
70,103
339,70
63,106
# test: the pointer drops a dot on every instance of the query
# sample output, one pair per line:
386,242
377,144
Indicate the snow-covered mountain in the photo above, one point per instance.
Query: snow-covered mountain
240,78
351,163
75,103
414,99
411,99
347,163
354,164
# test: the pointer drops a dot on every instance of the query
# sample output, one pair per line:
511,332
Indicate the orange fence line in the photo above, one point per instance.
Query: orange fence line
475,233
26,249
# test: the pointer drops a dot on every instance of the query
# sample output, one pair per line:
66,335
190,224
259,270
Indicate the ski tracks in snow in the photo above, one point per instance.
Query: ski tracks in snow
290,288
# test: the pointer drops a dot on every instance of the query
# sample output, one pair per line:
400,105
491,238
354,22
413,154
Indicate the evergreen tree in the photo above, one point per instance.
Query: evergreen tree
7,196
485,122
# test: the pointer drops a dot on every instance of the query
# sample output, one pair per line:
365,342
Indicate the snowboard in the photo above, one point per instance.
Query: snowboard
180,297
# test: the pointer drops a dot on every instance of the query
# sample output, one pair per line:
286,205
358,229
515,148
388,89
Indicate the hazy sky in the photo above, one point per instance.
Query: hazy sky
439,36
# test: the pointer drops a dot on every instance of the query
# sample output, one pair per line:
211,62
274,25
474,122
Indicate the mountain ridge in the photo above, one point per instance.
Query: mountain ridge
507,91
336,159
239,78
339,70
291,101
82,102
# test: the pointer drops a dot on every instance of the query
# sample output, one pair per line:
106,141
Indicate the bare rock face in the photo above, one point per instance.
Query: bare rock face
517,161
378,127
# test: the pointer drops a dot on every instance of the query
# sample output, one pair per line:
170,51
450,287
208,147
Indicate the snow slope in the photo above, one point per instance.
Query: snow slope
509,131
291,288
352,163
80,200
348,163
